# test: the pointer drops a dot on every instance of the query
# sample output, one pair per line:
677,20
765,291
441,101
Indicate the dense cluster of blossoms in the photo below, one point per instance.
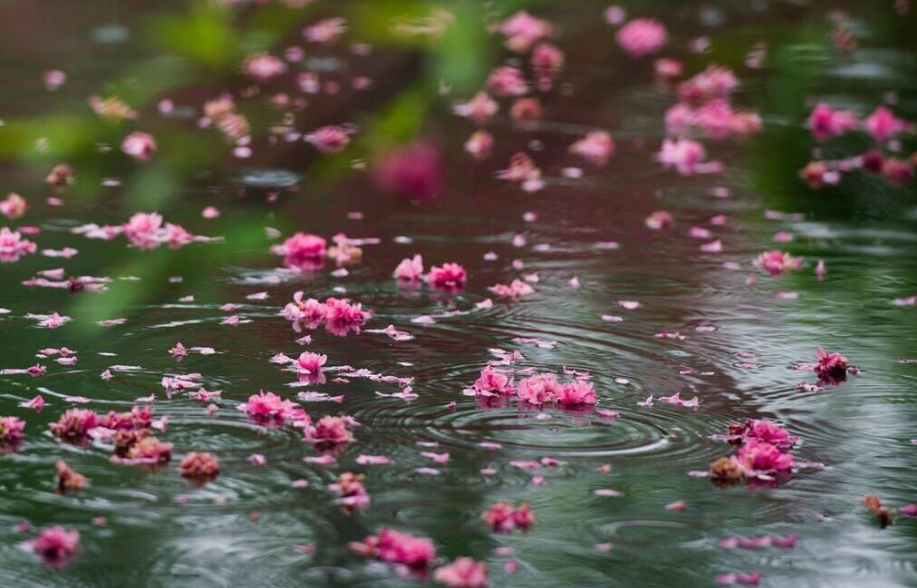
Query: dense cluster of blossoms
221,113
13,246
764,453
339,315
269,408
449,276
642,36
536,390
199,466
302,251
826,122
129,433
514,291
389,546
705,103
503,517
464,572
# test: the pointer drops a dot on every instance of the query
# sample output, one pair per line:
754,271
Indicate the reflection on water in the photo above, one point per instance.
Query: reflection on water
251,525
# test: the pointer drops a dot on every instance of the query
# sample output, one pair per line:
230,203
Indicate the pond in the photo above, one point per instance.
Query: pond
647,278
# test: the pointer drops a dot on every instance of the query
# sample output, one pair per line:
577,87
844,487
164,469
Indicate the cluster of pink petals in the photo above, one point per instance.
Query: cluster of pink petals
522,30
535,390
642,36
263,67
716,118
390,546
145,230
777,262
752,579
13,246
325,31
334,311
75,424
449,276
302,251
502,517
415,172
464,572
507,81
267,406
148,451
826,122
715,82
11,430
480,108
56,545
596,147
882,124
199,465
514,291
410,269
329,139
139,145
352,492
686,156
13,206
330,430
764,451
311,363
830,366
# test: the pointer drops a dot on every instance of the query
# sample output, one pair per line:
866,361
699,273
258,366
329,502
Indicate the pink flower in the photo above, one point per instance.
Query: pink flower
479,144
302,251
143,229
176,236
140,146
267,405
575,393
150,451
739,578
37,403
56,545
410,269
352,492
769,432
547,60
897,172
494,381
11,429
13,206
342,311
522,30
514,291
507,81
882,124
830,366
502,517
777,262
75,424
642,36
311,362
479,109
200,466
398,548
464,572
667,68
415,172
825,122
330,430
263,67
685,155
596,147
13,246
325,31
538,389
330,139
714,82
450,276
760,457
